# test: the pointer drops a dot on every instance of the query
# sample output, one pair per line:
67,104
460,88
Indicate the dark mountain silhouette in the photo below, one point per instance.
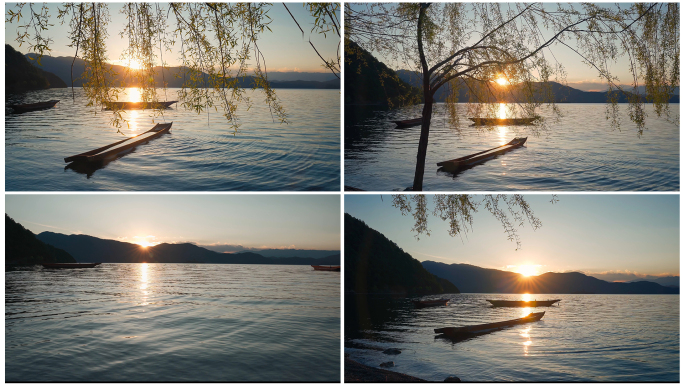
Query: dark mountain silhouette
367,81
313,253
91,249
667,281
561,93
375,264
23,248
474,279
173,77
21,76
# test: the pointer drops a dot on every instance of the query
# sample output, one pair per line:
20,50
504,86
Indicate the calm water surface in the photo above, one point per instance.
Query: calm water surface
579,153
172,322
201,153
617,338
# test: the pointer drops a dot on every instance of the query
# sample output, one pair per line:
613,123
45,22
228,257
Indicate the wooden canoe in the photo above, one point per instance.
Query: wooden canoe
408,123
21,108
327,268
466,161
430,303
495,121
115,105
111,150
473,329
521,303
69,265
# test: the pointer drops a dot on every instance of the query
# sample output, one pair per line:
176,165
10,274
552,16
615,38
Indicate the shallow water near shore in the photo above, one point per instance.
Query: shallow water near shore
172,322
581,152
200,153
615,338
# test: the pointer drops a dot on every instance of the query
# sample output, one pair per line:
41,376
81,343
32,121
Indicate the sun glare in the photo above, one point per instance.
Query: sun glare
501,80
527,270
145,244
134,64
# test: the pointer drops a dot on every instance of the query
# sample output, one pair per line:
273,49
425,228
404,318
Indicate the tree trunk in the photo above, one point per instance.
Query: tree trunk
427,107
423,143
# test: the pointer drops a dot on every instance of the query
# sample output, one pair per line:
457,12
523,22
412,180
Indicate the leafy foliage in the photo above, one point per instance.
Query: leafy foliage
512,211
219,45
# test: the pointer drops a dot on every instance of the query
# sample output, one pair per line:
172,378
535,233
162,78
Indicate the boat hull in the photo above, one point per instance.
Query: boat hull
327,268
474,329
461,163
520,303
108,151
22,108
408,123
69,265
430,303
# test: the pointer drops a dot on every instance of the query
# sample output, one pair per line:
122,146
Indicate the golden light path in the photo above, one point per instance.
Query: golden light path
144,280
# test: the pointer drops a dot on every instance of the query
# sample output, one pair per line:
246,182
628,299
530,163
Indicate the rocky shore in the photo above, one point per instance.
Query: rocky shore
355,372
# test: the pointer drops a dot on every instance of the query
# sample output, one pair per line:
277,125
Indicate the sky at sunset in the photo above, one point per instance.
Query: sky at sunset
587,233
285,49
252,221
578,74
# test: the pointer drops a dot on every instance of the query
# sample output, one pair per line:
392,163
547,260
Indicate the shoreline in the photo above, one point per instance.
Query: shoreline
355,372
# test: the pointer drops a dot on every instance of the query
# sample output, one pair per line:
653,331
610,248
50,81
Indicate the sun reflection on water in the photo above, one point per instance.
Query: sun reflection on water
133,94
525,334
502,110
144,281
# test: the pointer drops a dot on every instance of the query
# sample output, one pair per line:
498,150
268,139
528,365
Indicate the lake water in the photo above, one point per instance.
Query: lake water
172,322
581,153
200,153
617,338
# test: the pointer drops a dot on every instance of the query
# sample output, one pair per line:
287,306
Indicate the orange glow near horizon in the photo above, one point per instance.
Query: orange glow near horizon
526,297
145,244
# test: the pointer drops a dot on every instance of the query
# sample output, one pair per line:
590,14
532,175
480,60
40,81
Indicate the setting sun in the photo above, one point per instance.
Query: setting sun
502,80
527,270
134,64
145,244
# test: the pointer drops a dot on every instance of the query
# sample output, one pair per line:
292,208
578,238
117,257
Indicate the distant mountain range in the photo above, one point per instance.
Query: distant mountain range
368,81
89,249
472,279
23,248
374,264
667,281
561,93
175,77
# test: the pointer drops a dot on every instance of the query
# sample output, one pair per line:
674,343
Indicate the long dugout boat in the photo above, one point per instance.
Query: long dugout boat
111,150
460,163
481,328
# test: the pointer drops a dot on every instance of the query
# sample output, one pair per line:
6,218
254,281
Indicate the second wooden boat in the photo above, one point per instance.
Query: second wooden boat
138,105
495,121
21,108
408,123
112,150
474,329
327,268
456,165
69,265
430,303
522,303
